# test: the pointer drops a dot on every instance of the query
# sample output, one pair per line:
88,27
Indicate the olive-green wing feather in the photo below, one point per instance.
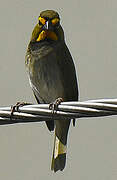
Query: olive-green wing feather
68,72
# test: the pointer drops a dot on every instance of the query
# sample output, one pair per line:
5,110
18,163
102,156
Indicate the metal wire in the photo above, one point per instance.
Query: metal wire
66,110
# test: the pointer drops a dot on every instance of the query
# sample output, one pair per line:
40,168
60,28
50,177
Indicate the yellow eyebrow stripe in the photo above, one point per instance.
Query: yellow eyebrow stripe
55,21
42,20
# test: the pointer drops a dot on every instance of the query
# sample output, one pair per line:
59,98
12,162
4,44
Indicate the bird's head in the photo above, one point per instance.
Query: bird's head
48,27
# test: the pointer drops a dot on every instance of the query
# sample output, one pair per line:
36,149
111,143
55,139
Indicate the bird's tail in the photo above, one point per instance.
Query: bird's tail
59,155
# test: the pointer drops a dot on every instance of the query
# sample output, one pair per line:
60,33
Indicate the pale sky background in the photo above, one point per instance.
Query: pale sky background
91,34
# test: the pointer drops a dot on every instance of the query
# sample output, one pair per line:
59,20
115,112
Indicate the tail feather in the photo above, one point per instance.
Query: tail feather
59,155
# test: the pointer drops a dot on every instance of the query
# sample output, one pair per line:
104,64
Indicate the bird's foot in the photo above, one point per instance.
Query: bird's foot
54,106
15,108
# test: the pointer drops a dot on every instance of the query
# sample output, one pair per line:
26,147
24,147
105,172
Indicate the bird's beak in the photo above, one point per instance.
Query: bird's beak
48,26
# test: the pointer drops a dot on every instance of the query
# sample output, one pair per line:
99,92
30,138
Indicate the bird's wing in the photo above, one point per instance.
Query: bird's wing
68,73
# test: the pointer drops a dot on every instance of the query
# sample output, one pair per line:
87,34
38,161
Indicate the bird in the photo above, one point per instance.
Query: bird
52,75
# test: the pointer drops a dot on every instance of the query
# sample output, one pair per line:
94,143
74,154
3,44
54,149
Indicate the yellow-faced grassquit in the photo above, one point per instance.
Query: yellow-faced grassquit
52,75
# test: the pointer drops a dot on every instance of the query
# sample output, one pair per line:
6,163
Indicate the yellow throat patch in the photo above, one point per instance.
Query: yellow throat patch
47,34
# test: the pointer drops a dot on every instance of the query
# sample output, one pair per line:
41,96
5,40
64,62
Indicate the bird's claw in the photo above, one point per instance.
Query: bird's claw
15,107
54,106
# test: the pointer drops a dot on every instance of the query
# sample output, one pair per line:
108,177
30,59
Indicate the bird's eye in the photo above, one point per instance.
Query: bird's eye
42,21
55,21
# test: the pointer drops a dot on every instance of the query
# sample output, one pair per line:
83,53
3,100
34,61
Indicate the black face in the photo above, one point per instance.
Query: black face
49,24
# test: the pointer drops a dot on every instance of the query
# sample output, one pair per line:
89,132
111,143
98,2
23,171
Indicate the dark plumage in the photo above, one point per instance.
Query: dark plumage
52,75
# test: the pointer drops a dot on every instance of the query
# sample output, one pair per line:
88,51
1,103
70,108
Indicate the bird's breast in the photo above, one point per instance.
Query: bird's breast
46,73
